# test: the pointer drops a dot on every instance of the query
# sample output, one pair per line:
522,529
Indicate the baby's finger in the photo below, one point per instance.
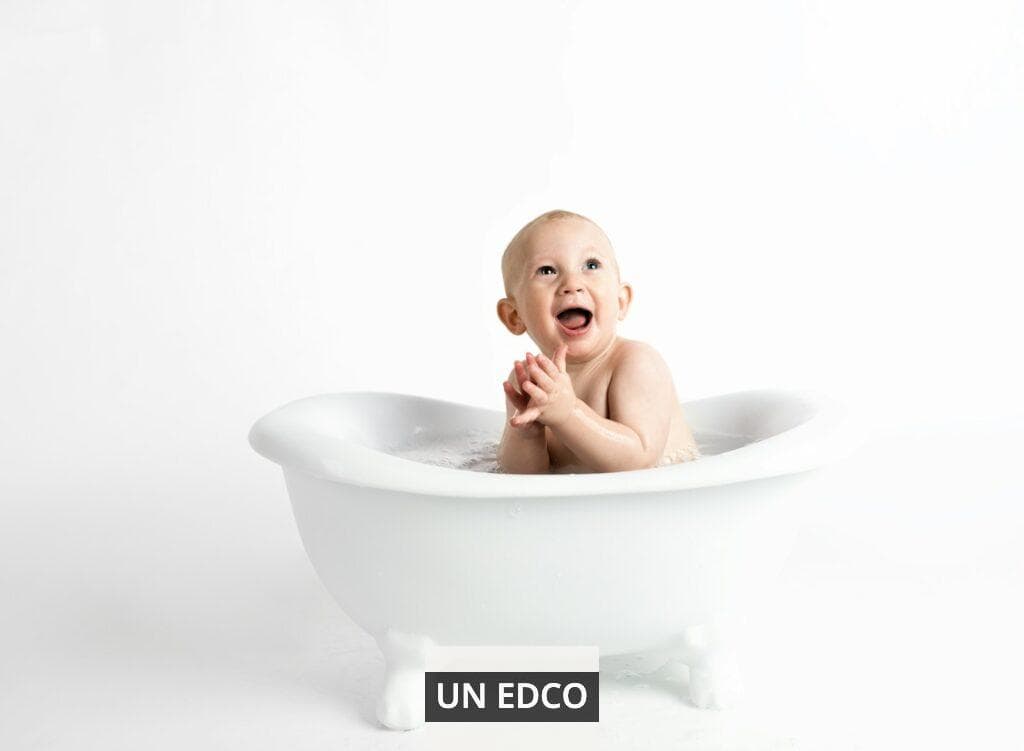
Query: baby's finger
536,392
560,353
518,400
526,417
549,367
538,375
521,374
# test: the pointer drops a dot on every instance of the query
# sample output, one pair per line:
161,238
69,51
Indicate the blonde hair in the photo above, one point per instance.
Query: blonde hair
508,258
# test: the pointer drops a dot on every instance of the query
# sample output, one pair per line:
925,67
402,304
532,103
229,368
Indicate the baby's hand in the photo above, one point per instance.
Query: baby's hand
552,397
519,401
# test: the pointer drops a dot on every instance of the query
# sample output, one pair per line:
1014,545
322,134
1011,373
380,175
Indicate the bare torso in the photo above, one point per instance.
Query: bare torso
591,385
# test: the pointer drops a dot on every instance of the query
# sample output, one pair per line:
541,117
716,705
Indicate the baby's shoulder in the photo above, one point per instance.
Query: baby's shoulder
637,361
632,351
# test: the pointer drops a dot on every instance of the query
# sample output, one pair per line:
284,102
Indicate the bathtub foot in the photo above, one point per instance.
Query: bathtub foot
715,681
400,706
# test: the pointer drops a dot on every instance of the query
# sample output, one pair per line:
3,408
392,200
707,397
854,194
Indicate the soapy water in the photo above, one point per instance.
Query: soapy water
477,450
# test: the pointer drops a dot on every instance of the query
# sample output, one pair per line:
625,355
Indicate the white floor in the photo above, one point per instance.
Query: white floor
188,617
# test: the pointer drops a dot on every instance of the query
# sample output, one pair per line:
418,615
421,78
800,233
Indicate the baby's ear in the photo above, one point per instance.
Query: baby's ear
625,298
509,316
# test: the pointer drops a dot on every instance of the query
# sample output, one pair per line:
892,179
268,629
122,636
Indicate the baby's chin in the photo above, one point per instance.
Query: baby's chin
584,345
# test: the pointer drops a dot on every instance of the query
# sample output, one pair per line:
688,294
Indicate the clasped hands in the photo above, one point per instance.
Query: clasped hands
547,396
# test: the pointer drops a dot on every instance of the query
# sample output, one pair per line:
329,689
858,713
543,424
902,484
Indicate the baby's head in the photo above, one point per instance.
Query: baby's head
562,285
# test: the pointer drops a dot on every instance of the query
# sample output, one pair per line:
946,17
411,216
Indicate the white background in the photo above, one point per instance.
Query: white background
208,209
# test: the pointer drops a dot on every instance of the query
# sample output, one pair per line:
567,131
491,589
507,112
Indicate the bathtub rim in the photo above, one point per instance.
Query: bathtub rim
827,436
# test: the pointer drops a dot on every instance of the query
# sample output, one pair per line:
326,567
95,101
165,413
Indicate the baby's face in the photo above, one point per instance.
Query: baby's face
565,288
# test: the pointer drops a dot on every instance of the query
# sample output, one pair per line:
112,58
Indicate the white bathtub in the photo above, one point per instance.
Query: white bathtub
653,559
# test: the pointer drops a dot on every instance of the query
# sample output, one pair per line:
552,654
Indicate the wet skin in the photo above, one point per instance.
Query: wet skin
590,399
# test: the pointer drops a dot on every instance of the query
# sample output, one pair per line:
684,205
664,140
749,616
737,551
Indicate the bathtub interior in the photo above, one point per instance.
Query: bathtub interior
750,416
350,437
376,419
381,421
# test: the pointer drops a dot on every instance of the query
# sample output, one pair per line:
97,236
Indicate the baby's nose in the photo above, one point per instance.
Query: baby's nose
570,287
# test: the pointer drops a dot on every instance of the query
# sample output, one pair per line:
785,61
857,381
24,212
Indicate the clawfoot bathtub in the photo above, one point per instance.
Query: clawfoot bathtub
653,560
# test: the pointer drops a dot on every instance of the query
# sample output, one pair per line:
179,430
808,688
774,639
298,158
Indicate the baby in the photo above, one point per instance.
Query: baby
591,401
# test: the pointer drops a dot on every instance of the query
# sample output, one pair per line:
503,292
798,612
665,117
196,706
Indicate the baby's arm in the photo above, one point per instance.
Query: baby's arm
524,449
640,401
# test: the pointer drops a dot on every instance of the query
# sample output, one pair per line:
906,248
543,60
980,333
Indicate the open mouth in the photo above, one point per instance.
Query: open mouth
575,321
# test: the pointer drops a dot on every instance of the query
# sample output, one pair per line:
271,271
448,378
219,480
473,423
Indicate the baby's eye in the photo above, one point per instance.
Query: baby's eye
544,269
597,264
